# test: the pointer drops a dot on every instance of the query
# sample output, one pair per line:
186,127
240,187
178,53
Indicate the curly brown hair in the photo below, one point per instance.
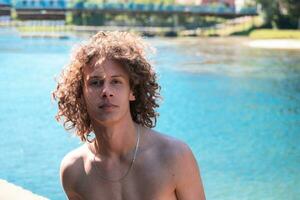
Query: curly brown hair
122,47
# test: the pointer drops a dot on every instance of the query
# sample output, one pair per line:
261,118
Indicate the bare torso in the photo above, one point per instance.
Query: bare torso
152,177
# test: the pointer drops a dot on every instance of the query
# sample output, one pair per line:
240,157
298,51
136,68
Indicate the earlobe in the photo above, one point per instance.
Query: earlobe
131,97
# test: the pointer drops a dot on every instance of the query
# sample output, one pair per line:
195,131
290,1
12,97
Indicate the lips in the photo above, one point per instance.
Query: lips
107,106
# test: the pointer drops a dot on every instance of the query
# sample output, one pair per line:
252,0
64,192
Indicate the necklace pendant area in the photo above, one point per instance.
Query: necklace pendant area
129,168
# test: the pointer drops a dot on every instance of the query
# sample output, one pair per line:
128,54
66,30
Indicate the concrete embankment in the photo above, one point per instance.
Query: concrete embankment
275,44
9,191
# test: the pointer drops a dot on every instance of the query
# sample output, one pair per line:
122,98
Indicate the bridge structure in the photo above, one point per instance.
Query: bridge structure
57,9
5,7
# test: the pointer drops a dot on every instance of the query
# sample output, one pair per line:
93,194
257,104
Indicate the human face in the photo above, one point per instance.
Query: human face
106,91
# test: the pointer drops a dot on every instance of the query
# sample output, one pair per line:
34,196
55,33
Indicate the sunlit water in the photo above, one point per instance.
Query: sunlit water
238,108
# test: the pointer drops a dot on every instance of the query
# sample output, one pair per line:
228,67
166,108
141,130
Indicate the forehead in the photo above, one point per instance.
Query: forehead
103,68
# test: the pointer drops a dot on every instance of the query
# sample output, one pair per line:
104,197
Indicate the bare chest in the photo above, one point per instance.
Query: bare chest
147,180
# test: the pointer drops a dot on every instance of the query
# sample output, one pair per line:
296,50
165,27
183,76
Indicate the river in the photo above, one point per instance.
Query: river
237,107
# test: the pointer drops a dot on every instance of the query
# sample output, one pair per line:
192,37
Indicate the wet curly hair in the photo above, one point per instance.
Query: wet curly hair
125,48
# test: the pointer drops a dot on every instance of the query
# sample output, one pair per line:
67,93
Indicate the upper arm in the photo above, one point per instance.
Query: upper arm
69,173
188,179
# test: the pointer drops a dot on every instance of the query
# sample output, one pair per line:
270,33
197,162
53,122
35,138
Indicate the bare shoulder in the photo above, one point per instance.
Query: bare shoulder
170,146
71,169
181,161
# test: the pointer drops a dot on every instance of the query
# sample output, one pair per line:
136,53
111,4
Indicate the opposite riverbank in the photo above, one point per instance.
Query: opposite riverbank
274,39
257,38
221,28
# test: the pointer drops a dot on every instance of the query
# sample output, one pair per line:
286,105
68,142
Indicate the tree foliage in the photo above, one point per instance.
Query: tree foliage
281,13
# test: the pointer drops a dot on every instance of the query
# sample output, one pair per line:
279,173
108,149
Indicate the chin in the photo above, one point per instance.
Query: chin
109,118
106,120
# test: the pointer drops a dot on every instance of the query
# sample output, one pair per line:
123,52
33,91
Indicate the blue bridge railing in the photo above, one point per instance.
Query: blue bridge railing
135,7
125,7
40,4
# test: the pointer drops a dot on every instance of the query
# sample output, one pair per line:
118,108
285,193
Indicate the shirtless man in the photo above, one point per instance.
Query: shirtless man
110,89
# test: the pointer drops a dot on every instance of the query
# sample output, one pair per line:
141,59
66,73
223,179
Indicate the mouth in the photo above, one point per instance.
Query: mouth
107,106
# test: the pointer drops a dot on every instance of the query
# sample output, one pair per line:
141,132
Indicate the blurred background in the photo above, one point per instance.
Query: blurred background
230,77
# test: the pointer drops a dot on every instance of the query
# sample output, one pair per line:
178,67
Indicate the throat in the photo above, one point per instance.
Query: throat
116,167
116,140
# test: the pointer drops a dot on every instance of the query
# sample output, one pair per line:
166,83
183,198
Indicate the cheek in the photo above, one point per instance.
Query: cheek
91,92
90,97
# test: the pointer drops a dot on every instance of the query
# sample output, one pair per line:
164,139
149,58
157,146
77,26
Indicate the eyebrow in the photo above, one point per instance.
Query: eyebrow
114,76
91,77
101,77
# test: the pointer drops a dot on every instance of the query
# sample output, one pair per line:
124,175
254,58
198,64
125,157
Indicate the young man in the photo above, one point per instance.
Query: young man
109,89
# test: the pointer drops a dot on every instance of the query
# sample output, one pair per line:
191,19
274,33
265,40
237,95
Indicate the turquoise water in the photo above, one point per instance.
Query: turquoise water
238,108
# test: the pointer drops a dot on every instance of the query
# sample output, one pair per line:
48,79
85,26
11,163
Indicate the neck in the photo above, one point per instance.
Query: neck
114,139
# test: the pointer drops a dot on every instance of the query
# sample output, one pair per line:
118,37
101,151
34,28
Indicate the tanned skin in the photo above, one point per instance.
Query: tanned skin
164,169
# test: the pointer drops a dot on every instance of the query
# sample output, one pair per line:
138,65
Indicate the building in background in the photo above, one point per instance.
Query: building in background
239,4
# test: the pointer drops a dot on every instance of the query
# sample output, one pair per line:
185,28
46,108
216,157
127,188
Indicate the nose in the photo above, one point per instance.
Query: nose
106,91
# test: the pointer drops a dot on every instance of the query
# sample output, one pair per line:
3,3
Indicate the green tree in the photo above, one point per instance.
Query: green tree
281,13
293,7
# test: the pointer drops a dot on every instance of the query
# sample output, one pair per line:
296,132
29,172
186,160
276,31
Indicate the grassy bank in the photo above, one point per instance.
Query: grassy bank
67,30
247,26
275,34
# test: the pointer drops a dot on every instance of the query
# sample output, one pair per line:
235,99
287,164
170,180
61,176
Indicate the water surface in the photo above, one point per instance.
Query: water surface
238,108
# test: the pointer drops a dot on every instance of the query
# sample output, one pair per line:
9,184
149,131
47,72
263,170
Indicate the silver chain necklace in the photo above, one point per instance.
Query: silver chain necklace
131,164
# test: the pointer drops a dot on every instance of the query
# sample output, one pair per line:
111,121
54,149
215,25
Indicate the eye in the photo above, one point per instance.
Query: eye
116,81
96,82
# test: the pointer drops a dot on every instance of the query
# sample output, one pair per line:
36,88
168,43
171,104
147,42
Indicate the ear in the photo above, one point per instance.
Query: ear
131,96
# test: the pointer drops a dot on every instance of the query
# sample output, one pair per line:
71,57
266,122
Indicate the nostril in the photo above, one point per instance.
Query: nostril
106,92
